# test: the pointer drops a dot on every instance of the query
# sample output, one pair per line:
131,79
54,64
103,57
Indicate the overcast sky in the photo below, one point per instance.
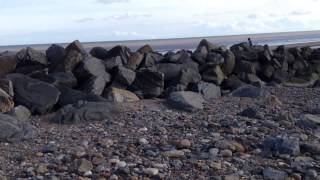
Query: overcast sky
50,21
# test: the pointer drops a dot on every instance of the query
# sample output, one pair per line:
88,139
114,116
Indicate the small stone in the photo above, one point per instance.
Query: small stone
183,144
151,171
214,152
84,166
113,177
122,164
226,153
88,174
175,154
296,176
42,169
143,141
311,173
114,161
273,174
216,165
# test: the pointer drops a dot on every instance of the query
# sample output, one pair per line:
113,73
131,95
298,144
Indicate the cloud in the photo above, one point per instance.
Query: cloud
84,20
112,1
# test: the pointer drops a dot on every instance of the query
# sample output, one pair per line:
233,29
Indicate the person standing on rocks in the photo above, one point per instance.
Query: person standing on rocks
250,42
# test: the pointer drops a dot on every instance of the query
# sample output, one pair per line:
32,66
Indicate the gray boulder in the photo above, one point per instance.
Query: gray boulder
208,90
86,111
135,61
20,112
55,55
112,63
122,51
123,77
8,63
248,91
6,101
186,101
38,96
213,74
282,145
99,52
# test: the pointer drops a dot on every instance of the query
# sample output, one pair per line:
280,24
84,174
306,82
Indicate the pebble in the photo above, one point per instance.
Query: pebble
183,144
226,153
216,165
151,171
84,166
143,141
214,152
114,177
174,154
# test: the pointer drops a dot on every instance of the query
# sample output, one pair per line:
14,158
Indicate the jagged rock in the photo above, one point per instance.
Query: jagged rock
31,56
248,91
188,76
123,77
267,72
315,55
229,62
6,102
282,145
91,75
55,55
205,43
312,118
232,83
86,111
170,70
200,55
8,63
13,130
122,51
213,74
214,59
181,57
273,174
58,78
186,100
247,67
71,96
150,59
312,147
148,83
208,90
280,76
7,86
99,52
38,96
251,79
120,95
112,63
20,112
145,49
249,112
135,61
71,60
76,46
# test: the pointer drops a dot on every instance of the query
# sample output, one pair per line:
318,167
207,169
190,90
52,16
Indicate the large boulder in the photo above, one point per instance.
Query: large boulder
170,70
86,111
76,46
232,83
248,91
8,63
148,83
11,129
38,96
112,63
145,49
213,74
120,95
20,112
123,77
55,54
186,101
135,61
99,52
30,60
214,58
122,51
229,62
150,59
71,96
58,78
7,86
6,101
92,76
188,76
208,90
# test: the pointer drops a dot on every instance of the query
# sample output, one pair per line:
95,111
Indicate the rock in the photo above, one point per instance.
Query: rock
150,59
148,83
174,154
120,95
6,102
112,63
183,144
143,141
7,86
186,100
249,112
312,174
312,118
145,49
8,63
11,129
55,54
214,152
38,96
42,168
248,91
282,145
76,46
226,153
213,74
273,174
22,113
311,147
91,75
232,83
247,67
208,90
31,56
71,60
63,78
71,96
205,43
135,61
123,77
214,58
85,111
229,63
122,51
83,166
99,52
151,171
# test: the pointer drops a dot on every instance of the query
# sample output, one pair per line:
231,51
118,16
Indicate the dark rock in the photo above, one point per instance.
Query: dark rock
311,147
71,96
20,112
7,86
214,59
99,52
150,59
249,112
208,90
229,62
122,51
31,56
76,46
71,60
273,174
112,63
148,83
186,101
13,130
55,55
63,78
282,145
280,76
170,70
145,49
91,75
267,72
38,96
213,74
232,83
251,79
188,76
247,67
123,77
135,60
248,91
315,55
6,102
205,43
8,63
86,111
181,57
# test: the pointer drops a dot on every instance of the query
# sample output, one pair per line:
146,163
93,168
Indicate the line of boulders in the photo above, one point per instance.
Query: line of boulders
66,79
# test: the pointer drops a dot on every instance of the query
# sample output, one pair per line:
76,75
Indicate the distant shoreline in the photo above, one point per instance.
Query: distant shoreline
290,39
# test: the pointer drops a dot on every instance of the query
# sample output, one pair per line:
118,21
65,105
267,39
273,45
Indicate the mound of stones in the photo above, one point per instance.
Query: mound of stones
60,78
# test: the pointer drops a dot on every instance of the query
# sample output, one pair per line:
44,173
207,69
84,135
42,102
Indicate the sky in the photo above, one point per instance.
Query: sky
57,21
